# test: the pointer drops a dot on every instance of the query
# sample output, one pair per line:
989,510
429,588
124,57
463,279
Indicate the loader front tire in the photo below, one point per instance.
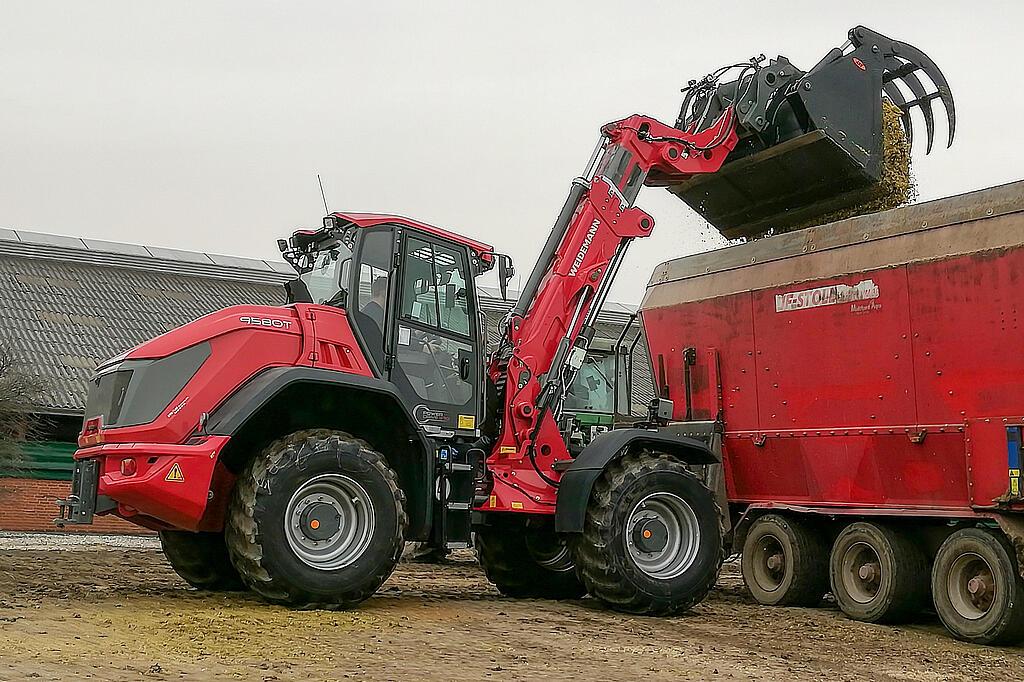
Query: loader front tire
201,559
317,520
526,562
652,537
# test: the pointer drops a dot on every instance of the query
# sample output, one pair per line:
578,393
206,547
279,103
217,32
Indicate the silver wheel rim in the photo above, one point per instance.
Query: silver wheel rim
971,586
320,503
768,564
657,513
550,553
861,572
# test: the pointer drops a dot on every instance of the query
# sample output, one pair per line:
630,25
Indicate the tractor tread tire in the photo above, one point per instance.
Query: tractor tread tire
909,583
596,550
242,529
508,565
809,557
201,559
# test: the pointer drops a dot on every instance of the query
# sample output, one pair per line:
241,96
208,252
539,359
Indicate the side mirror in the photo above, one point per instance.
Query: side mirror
449,295
505,273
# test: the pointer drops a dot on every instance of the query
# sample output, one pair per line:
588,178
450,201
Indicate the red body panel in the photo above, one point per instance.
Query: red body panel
244,340
484,251
897,401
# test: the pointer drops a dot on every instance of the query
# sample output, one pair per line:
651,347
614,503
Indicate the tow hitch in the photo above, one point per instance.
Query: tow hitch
83,503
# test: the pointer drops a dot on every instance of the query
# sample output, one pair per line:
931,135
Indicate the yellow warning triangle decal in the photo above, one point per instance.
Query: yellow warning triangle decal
175,474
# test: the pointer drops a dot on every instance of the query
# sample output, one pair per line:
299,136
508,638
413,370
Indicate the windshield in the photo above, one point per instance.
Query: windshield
591,390
327,281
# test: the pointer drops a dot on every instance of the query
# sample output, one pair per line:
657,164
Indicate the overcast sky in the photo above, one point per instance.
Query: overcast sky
202,125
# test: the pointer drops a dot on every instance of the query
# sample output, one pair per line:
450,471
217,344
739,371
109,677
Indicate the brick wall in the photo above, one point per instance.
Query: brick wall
28,505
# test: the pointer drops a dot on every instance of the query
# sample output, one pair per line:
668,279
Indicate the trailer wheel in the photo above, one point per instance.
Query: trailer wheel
977,588
316,520
784,562
527,562
878,574
652,538
201,559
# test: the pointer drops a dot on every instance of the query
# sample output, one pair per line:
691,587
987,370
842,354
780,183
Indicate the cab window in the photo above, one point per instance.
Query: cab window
435,287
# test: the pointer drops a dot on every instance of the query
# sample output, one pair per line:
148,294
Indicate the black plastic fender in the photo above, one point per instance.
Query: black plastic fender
414,464
578,480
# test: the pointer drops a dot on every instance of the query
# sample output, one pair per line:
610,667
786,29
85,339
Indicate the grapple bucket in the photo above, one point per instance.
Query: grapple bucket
812,143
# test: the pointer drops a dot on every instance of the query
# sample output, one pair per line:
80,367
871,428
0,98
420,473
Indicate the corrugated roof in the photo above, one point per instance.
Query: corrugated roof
67,304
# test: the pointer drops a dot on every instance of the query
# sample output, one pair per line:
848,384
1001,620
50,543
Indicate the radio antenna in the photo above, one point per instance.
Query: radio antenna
322,195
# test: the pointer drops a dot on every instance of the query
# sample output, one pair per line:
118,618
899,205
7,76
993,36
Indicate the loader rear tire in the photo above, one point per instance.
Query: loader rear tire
878,574
652,537
201,559
784,562
527,562
317,520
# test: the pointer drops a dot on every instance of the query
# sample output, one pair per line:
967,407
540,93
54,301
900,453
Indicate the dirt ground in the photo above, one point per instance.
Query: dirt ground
96,611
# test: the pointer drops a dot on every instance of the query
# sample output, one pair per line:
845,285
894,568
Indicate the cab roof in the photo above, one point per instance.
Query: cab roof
485,252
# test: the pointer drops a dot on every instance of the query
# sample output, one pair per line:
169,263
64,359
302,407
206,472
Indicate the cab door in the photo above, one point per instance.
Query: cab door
436,359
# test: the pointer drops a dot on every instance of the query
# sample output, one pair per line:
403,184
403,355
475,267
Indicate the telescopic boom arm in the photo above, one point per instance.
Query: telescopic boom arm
549,330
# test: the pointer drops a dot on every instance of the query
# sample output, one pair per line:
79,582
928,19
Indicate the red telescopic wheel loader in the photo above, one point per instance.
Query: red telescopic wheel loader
294,450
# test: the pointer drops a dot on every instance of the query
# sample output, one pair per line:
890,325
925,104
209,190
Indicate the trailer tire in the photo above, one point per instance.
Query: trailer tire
995,613
526,562
308,488
649,501
201,559
878,574
784,562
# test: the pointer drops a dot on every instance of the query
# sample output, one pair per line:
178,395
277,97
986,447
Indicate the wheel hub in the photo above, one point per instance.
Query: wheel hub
650,535
319,521
775,562
861,572
971,586
662,535
329,522
869,572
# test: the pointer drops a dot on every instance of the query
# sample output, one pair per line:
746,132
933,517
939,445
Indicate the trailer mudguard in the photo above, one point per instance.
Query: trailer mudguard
413,462
578,480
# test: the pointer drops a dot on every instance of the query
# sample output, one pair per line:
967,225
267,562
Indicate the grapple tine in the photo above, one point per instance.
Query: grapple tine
899,100
922,99
912,55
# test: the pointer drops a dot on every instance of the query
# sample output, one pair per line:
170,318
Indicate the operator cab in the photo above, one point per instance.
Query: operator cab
408,293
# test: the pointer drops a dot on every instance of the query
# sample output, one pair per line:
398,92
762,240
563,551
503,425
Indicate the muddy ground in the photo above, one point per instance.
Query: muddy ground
119,613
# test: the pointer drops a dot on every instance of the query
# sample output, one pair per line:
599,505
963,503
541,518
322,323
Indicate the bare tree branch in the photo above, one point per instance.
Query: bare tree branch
21,393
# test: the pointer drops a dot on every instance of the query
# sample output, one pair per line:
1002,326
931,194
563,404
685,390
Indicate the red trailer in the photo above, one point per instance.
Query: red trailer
866,378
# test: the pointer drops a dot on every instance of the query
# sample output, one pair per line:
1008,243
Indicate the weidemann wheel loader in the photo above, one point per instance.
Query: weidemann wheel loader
294,450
